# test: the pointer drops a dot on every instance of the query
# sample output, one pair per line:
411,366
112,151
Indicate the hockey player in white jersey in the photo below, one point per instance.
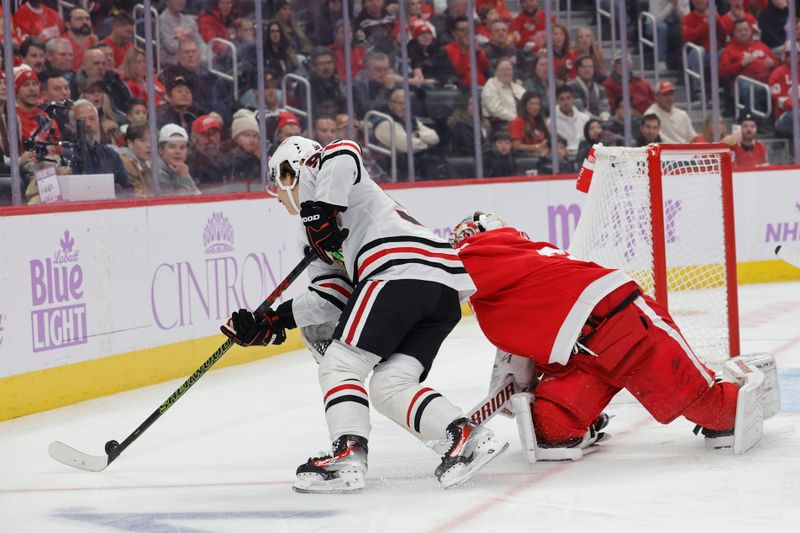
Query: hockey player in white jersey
397,289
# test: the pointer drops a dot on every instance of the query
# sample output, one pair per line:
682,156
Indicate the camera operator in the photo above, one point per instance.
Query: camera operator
92,156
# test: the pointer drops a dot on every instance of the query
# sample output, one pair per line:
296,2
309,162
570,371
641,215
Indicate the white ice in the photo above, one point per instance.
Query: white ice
223,458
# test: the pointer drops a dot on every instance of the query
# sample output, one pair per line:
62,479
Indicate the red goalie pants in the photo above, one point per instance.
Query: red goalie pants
640,349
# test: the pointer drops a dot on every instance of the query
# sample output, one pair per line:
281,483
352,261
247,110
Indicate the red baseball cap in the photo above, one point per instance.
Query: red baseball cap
418,27
665,87
287,117
203,123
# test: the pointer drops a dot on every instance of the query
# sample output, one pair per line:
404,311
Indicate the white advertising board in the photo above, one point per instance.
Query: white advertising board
81,285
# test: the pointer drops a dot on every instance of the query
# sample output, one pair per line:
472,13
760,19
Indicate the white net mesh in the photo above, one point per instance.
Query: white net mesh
615,231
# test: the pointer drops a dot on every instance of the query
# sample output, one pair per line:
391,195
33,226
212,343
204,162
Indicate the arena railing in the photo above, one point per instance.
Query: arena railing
755,86
304,113
651,43
139,40
234,76
608,14
391,151
699,75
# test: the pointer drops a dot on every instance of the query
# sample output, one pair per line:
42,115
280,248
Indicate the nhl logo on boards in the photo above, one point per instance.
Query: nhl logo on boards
218,234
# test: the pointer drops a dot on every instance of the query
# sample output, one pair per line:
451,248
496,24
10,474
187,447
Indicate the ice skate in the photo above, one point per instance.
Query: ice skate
472,447
342,471
575,449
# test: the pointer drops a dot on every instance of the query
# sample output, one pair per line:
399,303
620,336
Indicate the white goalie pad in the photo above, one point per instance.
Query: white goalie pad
749,424
765,362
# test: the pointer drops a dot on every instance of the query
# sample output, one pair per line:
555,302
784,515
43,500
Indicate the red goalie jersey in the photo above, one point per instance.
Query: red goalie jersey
526,288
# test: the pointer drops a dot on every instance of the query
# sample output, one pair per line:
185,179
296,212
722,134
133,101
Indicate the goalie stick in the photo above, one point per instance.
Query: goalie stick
793,258
94,463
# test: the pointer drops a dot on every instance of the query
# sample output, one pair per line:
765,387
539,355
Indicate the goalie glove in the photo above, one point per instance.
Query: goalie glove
245,330
521,369
323,231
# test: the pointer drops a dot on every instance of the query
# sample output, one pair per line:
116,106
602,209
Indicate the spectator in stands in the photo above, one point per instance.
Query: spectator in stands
566,165
121,37
55,88
279,56
487,15
100,159
538,80
292,31
108,52
58,57
423,138
80,35
173,172
586,45
528,26
96,66
744,56
137,112
668,15
418,9
708,133
32,52
780,82
37,19
374,84
590,96
430,66
134,73
178,107
325,130
175,28
320,29
287,125
694,29
216,21
444,23
563,55
458,53
500,6
499,162
461,129
529,133
642,95
500,46
380,26
204,150
736,13
243,161
136,157
93,90
191,68
327,90
500,96
649,130
676,126
569,120
357,53
28,92
592,134
244,38
772,23
749,152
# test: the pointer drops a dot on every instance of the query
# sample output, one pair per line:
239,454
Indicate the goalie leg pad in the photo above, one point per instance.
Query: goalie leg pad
521,407
749,425
765,362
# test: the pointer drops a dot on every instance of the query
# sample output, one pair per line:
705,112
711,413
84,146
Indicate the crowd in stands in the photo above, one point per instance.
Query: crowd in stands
208,133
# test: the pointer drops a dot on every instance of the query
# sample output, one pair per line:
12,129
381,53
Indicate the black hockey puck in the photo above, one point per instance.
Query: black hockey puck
111,445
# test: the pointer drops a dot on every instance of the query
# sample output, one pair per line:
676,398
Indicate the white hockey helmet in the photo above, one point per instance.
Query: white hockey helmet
293,150
476,223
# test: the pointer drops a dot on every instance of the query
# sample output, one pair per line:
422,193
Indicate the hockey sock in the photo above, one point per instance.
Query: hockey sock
397,394
342,373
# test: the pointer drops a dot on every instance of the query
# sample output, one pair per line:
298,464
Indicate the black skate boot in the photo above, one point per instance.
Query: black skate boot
341,471
714,439
574,449
472,447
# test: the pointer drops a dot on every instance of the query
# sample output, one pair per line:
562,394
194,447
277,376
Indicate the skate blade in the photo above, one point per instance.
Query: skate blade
474,468
316,485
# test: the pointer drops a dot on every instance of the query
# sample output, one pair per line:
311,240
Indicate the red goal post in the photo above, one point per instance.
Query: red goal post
664,214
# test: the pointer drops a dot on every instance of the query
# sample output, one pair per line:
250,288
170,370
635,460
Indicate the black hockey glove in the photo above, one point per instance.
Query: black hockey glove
324,234
243,328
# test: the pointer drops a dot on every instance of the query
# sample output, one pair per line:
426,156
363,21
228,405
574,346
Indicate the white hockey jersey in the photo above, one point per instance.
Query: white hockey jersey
385,242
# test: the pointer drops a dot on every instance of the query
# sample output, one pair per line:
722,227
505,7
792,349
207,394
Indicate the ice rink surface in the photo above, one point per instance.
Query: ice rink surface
223,459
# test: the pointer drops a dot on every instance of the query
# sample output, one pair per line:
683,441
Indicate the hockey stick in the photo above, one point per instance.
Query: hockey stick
72,457
793,258
492,404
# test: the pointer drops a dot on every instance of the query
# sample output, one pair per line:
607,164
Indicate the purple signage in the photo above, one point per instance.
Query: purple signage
783,231
58,315
183,293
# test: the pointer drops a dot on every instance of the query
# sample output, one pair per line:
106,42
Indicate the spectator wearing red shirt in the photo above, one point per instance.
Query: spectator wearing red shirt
357,53
529,133
780,83
749,152
79,33
694,26
642,94
121,37
35,18
498,5
133,72
744,56
216,20
563,56
529,22
458,53
28,93
736,13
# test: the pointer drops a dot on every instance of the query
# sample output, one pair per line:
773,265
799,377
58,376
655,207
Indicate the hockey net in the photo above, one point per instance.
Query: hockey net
664,215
